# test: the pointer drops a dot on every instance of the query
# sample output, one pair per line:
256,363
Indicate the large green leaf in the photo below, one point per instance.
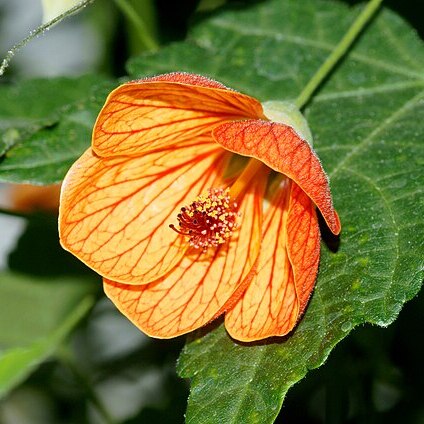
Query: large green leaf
367,126
36,316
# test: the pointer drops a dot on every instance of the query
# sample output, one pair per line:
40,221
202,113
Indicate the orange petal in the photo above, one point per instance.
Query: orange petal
303,244
115,213
149,114
280,148
286,269
198,289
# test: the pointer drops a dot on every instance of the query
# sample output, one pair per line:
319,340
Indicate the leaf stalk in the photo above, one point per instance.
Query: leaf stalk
40,30
339,51
140,26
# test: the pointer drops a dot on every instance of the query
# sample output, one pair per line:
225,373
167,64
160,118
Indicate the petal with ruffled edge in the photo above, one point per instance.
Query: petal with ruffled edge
115,213
286,271
280,148
198,289
154,113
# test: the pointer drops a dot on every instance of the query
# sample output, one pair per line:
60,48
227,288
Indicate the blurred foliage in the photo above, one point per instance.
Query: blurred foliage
108,372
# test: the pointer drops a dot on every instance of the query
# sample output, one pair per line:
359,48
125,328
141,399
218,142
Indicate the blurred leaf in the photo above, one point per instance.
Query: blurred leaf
45,125
36,316
33,104
366,122
39,253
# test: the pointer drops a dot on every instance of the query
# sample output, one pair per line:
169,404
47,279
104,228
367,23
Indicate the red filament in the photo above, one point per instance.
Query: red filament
208,221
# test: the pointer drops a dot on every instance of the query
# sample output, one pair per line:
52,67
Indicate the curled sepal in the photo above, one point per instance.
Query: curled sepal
281,148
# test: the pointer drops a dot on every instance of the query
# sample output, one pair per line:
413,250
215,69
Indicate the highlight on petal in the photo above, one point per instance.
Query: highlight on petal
154,113
115,213
280,148
201,285
286,271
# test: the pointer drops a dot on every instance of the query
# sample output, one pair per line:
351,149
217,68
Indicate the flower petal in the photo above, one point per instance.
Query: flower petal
187,78
286,270
199,288
303,244
280,148
154,113
115,213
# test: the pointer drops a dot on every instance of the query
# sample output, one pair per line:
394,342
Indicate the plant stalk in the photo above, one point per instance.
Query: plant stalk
40,30
340,50
144,35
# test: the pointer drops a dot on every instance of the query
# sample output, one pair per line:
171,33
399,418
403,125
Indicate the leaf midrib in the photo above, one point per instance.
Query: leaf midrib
388,121
253,370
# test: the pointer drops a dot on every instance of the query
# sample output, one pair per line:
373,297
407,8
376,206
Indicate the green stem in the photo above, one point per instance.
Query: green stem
40,30
67,359
339,51
143,34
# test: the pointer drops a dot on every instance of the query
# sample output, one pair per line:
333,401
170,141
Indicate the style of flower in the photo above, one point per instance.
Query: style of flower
182,227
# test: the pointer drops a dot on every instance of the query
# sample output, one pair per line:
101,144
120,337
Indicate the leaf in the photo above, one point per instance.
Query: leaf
367,126
36,317
45,125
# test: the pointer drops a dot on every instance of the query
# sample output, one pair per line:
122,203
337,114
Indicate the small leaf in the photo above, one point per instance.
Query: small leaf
46,125
36,317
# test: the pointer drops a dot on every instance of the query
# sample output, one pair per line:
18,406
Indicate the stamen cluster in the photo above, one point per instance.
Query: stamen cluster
210,220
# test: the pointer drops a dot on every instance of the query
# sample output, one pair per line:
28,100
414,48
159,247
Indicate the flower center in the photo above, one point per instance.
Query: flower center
210,220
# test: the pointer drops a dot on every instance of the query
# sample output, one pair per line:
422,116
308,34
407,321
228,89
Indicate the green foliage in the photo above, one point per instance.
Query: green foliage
366,126
366,121
46,125
37,315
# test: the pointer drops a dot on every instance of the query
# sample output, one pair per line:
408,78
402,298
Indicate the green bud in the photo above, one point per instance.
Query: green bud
288,114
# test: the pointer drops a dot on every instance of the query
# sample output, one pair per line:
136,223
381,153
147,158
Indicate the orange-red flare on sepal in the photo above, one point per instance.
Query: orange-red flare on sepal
150,208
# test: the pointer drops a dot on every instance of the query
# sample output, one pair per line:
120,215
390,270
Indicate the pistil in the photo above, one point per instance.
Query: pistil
211,219
208,221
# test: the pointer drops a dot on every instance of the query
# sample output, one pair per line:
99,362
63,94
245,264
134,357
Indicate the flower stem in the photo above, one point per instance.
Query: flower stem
40,30
144,35
339,51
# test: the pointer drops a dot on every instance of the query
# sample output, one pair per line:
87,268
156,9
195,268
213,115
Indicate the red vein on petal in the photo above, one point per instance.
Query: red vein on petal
173,110
280,148
104,264
268,305
195,291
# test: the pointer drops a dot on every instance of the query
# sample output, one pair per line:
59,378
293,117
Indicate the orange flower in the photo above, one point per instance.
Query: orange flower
180,237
